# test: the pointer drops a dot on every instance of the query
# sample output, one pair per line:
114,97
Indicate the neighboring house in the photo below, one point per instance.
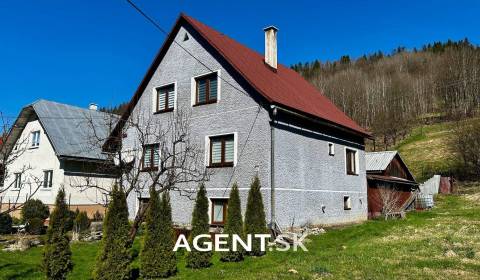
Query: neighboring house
55,148
253,117
387,170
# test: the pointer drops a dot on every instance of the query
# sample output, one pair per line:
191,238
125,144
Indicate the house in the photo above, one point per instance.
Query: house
252,116
389,181
51,146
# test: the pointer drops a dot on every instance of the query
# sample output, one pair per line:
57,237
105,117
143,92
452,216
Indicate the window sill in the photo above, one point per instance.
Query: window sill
217,224
220,165
45,189
352,174
347,209
33,147
163,111
205,103
149,169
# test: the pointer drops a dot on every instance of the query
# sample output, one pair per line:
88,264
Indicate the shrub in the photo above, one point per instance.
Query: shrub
255,216
97,217
157,258
81,223
196,259
34,208
234,225
114,258
35,226
5,223
57,256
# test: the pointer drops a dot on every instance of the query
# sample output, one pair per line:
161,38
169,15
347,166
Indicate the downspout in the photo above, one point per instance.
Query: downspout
272,167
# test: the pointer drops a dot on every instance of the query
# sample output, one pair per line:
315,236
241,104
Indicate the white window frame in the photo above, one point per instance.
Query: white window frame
17,185
235,146
155,95
331,149
193,86
51,179
357,166
34,144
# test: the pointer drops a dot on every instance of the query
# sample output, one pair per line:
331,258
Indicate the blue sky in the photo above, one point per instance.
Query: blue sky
82,51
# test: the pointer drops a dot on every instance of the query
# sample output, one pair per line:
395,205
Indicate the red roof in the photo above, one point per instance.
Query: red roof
284,87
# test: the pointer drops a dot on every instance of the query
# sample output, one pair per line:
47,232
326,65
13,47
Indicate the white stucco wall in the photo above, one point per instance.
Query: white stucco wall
35,160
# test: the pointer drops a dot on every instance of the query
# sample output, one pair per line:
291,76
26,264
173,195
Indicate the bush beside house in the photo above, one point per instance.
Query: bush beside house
255,222
57,256
114,258
197,259
5,223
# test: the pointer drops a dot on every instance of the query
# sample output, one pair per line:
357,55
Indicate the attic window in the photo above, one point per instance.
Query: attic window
185,37
35,139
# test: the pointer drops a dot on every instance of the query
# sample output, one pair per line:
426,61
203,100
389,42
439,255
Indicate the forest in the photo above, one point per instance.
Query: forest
391,93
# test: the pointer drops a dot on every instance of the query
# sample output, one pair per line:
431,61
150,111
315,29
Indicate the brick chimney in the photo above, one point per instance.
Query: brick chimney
271,46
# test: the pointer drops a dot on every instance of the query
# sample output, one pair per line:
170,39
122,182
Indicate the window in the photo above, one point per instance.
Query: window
165,98
151,157
47,179
331,149
219,211
351,161
347,203
206,89
18,181
222,151
35,138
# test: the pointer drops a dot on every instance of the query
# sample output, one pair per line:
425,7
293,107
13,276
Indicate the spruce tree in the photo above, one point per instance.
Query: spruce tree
196,259
57,256
255,216
157,258
113,260
234,225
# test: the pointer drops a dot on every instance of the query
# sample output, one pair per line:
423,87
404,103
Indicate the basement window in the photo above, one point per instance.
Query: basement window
347,203
219,211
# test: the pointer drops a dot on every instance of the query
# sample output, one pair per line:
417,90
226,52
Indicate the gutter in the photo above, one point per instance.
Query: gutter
272,167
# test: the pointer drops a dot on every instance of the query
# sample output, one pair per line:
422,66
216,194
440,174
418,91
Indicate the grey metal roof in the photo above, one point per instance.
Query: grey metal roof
74,131
378,161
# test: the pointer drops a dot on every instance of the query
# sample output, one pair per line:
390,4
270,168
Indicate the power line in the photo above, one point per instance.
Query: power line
152,21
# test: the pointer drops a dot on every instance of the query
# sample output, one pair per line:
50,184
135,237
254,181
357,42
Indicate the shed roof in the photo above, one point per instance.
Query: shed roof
71,130
379,161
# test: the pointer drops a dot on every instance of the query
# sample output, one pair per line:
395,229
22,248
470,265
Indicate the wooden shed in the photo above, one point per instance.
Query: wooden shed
390,183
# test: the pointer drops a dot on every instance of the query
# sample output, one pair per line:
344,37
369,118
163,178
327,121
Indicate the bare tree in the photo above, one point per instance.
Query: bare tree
170,143
390,200
467,145
17,183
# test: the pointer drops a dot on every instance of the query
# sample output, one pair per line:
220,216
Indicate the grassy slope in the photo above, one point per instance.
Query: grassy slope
410,249
428,151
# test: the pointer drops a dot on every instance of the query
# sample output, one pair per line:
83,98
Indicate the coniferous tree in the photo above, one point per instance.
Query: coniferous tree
157,258
255,216
113,260
57,256
197,259
234,225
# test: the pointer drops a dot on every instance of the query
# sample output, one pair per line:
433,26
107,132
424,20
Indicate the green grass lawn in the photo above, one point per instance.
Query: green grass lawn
428,150
404,249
